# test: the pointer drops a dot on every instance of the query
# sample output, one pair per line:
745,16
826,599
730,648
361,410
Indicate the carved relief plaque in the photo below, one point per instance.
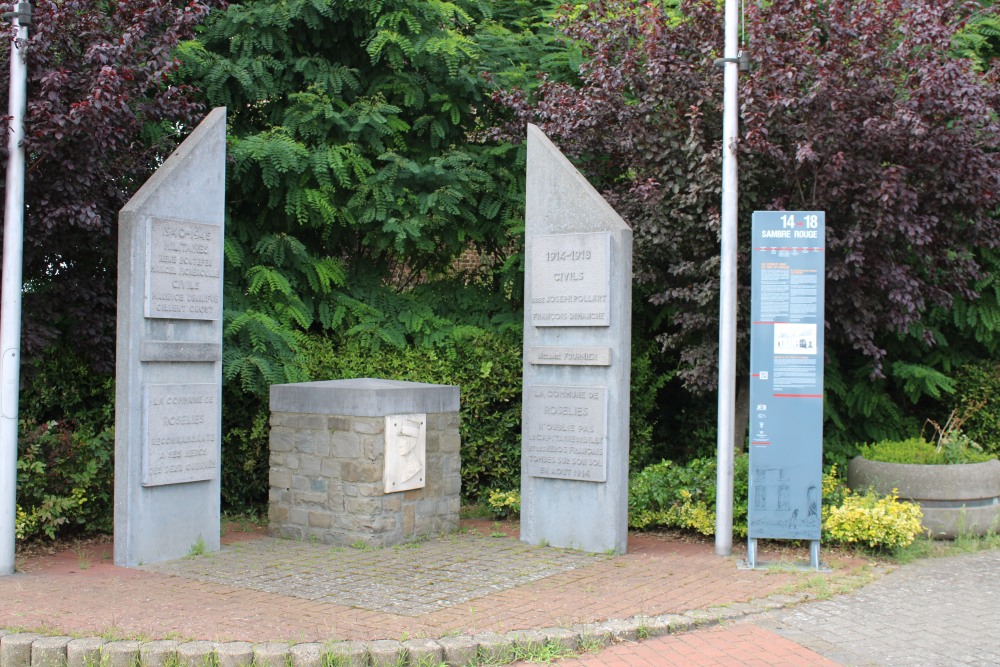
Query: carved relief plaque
405,452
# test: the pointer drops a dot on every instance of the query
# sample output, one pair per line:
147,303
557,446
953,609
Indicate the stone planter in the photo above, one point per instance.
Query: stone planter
955,499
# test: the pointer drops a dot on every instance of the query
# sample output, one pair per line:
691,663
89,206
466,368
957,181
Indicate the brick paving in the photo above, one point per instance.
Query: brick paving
250,603
470,590
727,646
410,580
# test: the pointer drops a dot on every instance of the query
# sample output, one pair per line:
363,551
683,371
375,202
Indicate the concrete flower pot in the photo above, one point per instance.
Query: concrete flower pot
955,499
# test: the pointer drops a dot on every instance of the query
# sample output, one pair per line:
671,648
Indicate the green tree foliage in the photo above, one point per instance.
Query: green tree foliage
357,178
367,204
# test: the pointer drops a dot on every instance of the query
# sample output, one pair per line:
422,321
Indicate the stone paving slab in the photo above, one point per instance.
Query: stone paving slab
932,613
409,580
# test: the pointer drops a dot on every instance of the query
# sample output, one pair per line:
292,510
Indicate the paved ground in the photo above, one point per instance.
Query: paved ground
938,612
935,612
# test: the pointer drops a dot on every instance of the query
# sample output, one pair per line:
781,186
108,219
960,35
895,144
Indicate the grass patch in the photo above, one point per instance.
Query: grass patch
925,547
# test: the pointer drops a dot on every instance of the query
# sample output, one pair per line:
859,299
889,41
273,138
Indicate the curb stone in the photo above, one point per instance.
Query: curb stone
197,654
348,654
307,655
15,649
494,648
271,654
83,652
49,651
619,631
118,654
530,641
424,651
386,653
592,635
234,654
22,649
562,638
158,653
459,651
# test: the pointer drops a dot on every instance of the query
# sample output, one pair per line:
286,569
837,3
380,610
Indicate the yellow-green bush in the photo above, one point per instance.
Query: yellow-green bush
504,504
872,520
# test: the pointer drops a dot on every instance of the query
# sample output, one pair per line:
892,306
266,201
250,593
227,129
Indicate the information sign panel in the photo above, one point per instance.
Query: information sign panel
786,383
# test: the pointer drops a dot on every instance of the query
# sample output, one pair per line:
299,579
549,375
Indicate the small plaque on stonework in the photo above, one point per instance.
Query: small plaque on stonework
184,270
405,452
181,439
569,356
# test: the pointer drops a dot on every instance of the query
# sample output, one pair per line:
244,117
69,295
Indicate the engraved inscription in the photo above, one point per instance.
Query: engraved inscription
569,356
183,270
182,439
566,432
571,280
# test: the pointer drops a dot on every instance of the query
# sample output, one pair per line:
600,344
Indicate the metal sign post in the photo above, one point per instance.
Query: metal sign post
786,383
10,298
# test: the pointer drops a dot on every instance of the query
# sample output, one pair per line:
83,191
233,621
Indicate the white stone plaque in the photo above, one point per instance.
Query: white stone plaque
183,270
181,436
571,280
405,452
566,432
569,356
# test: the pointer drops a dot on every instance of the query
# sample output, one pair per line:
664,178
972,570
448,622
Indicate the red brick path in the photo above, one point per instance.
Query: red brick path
656,576
740,645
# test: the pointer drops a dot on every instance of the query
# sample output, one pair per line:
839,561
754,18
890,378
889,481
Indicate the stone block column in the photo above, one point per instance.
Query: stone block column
370,460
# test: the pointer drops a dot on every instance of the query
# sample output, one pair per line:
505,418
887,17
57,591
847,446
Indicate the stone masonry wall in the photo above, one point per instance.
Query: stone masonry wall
326,481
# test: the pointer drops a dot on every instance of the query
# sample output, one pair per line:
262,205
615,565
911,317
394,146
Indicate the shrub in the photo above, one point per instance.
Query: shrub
683,496
877,522
504,504
245,451
918,450
65,478
66,444
647,380
979,383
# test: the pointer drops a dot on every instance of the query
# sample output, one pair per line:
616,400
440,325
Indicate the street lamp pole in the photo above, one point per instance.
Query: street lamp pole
10,294
727,287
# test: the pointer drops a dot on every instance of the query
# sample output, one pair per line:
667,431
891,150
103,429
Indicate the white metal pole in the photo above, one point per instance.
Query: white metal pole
10,298
727,288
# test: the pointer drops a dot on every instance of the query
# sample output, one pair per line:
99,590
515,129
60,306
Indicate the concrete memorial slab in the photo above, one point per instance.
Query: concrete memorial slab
168,426
577,358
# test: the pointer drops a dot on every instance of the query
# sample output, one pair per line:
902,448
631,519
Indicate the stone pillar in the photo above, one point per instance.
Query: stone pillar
577,359
370,460
168,419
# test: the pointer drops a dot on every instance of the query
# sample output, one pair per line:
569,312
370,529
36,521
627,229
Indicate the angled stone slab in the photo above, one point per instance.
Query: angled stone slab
577,358
168,427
